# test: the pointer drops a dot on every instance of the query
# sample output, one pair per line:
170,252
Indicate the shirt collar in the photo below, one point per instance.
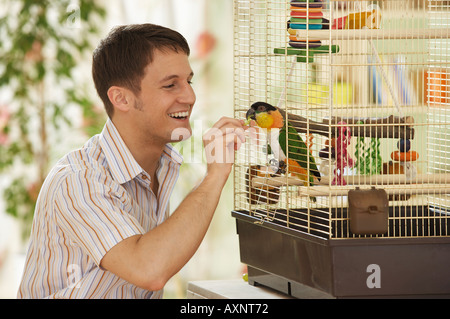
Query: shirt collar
172,154
121,162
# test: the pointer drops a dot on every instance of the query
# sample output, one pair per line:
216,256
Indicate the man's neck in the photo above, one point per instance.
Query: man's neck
146,153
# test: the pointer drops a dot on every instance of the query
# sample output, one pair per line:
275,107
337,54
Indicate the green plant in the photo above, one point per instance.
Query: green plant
42,44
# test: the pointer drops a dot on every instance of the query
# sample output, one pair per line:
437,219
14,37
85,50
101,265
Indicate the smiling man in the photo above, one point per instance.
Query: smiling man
101,227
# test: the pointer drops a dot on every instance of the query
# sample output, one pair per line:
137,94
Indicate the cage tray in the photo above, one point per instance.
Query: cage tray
289,260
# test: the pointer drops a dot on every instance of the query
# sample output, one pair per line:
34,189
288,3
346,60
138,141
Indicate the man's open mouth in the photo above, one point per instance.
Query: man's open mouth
179,115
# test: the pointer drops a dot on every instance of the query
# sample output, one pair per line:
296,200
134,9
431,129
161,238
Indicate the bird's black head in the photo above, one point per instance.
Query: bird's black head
258,107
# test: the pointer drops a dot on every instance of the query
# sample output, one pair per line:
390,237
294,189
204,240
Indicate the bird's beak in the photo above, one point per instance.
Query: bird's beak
250,115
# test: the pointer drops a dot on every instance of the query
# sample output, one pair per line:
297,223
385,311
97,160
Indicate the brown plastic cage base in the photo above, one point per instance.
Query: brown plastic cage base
308,266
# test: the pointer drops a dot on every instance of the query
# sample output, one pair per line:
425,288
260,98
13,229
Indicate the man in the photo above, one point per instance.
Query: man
101,227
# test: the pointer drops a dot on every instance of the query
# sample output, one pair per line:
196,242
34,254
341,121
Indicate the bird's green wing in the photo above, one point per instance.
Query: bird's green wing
297,150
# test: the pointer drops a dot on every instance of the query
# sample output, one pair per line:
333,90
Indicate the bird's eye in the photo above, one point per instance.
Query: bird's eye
261,108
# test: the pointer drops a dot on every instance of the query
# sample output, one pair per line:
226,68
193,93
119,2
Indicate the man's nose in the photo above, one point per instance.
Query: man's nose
188,95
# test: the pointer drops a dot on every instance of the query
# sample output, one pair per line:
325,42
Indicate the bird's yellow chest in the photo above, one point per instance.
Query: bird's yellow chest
264,120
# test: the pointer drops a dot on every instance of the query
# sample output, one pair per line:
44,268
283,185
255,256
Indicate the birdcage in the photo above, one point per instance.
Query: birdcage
366,84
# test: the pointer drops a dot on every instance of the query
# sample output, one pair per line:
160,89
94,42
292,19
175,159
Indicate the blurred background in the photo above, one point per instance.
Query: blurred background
48,106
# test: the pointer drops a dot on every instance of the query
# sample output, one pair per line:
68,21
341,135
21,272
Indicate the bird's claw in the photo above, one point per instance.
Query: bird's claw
279,167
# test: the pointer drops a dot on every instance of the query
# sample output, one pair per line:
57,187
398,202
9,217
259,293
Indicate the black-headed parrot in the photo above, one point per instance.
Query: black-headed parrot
298,159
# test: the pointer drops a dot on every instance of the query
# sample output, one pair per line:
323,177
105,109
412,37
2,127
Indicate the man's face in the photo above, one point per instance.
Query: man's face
165,102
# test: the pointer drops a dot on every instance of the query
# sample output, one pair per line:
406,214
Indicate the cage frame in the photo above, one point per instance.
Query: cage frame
268,227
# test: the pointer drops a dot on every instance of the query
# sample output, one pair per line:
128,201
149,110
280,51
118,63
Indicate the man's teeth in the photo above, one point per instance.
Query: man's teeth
179,114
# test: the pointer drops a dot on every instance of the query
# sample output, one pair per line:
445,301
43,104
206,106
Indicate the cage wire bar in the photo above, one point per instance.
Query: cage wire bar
376,71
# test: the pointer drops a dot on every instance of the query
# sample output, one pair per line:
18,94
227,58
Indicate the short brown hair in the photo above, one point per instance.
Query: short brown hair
120,58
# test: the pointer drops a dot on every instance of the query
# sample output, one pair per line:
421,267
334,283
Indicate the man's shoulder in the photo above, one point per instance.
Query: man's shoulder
87,160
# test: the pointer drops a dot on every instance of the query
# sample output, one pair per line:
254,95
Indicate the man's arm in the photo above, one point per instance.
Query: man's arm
150,260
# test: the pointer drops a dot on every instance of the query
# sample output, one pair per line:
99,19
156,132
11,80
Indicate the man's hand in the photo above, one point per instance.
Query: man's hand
221,142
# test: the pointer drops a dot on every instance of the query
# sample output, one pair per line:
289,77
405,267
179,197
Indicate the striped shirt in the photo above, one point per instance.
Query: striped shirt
92,199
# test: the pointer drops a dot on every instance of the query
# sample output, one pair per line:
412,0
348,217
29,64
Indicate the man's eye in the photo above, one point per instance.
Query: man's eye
174,84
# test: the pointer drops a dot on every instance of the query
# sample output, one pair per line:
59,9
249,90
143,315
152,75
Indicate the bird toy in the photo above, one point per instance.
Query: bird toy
342,158
368,159
405,156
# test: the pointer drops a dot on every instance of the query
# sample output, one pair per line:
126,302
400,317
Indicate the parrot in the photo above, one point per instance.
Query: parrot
269,117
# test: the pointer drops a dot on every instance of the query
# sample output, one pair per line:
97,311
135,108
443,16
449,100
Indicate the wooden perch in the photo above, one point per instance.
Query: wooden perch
379,180
387,127
261,194
410,189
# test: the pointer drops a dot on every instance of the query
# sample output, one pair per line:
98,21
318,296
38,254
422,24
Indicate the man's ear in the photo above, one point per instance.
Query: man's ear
121,98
